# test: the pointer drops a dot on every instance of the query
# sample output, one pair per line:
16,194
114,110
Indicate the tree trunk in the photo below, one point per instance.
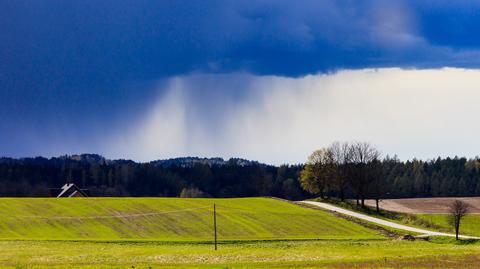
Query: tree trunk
376,202
358,202
342,195
363,202
457,228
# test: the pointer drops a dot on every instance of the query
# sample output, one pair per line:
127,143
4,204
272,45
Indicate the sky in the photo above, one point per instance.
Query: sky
263,80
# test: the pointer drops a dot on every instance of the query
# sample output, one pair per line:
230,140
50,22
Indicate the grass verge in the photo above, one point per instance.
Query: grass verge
291,254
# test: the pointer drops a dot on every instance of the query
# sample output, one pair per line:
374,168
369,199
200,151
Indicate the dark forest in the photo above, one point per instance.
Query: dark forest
197,177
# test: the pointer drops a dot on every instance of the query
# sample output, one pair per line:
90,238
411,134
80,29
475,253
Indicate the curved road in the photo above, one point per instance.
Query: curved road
381,221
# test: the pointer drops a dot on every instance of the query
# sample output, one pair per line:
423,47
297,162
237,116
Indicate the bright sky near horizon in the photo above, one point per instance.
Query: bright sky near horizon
263,80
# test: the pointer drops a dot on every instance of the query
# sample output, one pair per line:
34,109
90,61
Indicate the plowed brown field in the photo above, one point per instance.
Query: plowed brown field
426,205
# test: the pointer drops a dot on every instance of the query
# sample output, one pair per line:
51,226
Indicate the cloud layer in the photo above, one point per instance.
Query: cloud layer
412,113
72,72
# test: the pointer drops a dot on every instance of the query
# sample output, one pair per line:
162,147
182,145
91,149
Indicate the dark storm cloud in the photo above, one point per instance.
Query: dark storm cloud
92,41
72,68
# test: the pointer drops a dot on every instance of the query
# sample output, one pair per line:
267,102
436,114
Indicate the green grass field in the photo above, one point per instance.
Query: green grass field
290,254
470,225
169,219
177,233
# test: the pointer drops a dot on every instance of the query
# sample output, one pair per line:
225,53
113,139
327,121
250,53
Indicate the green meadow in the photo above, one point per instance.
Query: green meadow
266,254
178,233
169,219
470,224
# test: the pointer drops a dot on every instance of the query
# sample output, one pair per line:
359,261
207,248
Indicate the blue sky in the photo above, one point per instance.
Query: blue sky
111,77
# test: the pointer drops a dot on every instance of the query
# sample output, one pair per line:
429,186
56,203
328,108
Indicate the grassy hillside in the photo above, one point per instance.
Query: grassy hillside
168,219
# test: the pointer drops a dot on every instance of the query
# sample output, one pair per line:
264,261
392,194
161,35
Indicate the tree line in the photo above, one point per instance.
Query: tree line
345,170
170,178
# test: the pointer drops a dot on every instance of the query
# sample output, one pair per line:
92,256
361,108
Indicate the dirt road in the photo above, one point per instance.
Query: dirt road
382,222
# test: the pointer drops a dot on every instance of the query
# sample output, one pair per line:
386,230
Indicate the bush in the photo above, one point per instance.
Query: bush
193,192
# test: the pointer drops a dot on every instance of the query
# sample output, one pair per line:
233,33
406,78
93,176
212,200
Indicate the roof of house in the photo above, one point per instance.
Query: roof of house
68,190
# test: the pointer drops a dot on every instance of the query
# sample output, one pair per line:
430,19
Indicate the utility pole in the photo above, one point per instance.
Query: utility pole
215,225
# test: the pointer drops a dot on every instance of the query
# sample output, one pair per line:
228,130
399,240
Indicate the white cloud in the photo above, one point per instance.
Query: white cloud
412,113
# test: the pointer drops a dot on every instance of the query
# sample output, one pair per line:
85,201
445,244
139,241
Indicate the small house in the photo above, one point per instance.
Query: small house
68,190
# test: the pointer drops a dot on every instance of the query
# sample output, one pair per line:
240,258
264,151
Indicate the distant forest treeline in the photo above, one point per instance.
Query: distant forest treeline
195,177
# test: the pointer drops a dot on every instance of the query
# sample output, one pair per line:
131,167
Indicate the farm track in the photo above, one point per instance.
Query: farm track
383,222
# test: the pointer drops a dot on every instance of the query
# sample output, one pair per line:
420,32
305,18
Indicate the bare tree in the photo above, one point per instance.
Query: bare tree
376,182
340,153
361,154
458,210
